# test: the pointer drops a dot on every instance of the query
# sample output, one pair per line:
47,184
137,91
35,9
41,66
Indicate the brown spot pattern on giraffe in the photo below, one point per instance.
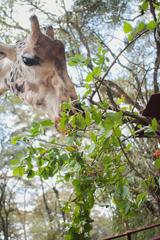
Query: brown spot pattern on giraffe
33,87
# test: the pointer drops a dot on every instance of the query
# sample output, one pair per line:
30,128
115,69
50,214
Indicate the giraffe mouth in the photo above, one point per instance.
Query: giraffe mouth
30,61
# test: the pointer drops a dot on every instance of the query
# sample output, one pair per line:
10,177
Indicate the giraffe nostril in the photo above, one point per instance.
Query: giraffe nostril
30,61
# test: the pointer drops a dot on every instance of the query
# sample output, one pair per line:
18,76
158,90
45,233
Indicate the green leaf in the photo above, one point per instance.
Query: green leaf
41,150
96,71
88,92
70,148
144,5
141,26
75,60
104,105
19,171
108,124
15,139
46,123
75,182
93,137
112,119
35,129
148,131
89,77
128,147
30,173
157,163
15,162
120,100
117,132
154,125
67,176
87,118
87,227
127,27
66,106
108,133
141,198
96,115
130,37
80,121
151,25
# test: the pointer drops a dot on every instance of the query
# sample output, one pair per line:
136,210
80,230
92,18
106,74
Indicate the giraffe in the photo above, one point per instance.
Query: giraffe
35,70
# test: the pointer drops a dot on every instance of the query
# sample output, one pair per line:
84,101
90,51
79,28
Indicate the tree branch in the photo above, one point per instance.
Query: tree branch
115,60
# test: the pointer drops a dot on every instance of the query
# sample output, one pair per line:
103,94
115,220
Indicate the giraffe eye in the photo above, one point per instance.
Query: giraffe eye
2,55
30,61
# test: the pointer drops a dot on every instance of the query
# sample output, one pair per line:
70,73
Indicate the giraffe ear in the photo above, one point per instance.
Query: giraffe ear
35,28
49,31
152,109
8,51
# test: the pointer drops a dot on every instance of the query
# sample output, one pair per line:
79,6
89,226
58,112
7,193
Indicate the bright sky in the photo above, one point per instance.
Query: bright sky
22,12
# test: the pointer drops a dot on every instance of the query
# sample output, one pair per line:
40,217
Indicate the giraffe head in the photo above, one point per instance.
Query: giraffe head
39,68
42,54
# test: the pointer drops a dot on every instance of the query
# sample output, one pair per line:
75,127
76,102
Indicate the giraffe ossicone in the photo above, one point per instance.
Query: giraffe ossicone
35,70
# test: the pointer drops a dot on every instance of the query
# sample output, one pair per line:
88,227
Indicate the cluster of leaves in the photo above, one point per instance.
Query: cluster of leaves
90,157
133,31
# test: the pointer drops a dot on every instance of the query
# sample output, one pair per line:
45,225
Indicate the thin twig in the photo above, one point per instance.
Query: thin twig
115,60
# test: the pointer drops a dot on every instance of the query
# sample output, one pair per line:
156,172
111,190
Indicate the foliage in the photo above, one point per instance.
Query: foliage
94,157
